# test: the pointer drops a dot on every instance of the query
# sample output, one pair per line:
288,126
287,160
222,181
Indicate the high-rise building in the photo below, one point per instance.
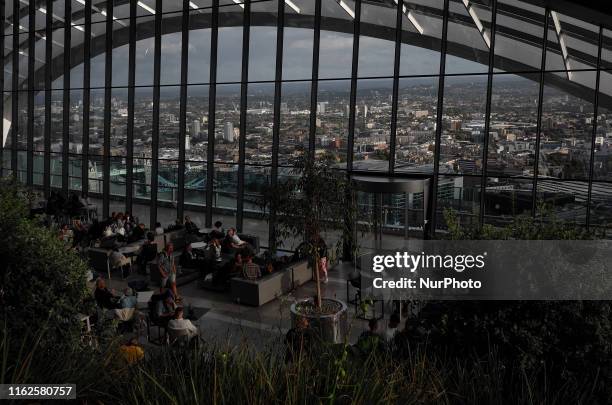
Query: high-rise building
228,132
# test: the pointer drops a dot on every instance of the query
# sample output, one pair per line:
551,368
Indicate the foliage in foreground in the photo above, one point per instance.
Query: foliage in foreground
247,374
571,338
42,285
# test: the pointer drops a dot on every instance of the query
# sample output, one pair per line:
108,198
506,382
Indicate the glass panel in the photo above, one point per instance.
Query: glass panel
297,52
39,121
372,125
562,200
75,121
225,186
169,122
376,54
463,124
335,55
506,198
513,127
602,166
119,115
143,113
294,121
96,122
332,120
227,123
171,49
259,122
421,36
567,114
198,70
195,184
416,125
196,138
262,41
468,37
462,195
518,36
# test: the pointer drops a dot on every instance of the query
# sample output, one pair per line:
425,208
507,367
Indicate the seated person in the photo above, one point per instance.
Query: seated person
217,231
180,323
163,306
147,253
190,260
232,269
104,297
119,261
138,233
214,250
131,351
79,233
190,226
235,240
370,340
158,229
251,271
128,299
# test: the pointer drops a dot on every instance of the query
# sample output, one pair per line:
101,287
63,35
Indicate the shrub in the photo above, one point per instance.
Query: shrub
42,285
567,338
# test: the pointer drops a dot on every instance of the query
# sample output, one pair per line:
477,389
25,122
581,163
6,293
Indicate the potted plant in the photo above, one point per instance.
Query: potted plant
314,199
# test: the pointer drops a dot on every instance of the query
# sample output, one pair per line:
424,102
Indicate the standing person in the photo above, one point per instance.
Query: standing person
321,247
158,229
392,327
167,269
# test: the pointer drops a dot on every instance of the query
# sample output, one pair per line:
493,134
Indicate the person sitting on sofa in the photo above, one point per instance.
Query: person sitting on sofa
190,260
217,231
251,271
232,269
190,226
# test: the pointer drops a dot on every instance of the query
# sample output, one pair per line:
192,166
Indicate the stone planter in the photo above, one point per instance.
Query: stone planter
332,327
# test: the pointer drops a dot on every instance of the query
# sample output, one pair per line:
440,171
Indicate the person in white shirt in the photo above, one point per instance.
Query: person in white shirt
392,327
235,240
180,323
158,229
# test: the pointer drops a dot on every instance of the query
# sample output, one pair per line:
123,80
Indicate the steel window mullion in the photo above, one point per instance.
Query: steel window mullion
183,109
485,152
394,97
86,99
108,77
66,99
155,124
2,18
246,29
433,201
15,88
212,96
534,190
129,164
278,85
595,112
314,84
353,94
31,62
48,76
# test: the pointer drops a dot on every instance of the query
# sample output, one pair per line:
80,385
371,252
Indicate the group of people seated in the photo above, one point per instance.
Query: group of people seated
301,339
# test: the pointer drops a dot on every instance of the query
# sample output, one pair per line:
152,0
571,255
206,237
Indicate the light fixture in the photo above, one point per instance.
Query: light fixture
144,6
346,8
483,32
239,3
415,23
293,6
562,44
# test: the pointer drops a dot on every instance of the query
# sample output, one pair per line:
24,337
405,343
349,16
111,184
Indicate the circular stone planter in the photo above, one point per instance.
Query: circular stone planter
331,324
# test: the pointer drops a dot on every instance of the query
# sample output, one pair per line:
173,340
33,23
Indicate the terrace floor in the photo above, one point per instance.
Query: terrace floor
225,322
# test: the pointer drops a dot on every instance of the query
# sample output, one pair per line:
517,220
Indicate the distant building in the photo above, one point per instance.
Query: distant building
228,132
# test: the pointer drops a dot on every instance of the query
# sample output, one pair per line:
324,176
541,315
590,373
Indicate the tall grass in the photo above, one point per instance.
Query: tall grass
246,374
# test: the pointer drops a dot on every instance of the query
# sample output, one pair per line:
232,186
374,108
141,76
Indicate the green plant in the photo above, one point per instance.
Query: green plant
42,285
313,200
564,338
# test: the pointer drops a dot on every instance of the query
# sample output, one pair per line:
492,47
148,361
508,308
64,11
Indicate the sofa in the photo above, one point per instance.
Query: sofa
271,286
